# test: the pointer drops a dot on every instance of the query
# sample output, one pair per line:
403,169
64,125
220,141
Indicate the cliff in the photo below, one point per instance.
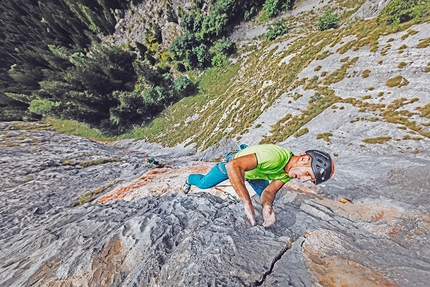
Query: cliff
369,227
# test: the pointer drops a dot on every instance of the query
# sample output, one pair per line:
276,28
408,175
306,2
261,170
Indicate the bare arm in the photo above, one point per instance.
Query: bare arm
267,198
236,174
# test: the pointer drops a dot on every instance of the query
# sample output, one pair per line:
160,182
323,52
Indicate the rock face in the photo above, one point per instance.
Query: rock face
372,234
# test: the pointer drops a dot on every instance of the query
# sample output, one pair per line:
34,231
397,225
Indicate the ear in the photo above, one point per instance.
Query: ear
305,159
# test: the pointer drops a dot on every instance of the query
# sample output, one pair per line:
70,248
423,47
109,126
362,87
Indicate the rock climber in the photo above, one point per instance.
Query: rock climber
266,168
152,161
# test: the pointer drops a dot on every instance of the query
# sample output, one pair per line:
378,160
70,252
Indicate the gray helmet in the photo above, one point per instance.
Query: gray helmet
322,165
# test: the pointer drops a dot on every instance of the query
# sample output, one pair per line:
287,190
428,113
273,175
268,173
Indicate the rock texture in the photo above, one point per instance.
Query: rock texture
370,234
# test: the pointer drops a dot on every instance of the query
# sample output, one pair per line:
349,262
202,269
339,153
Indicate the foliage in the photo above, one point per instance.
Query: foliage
278,28
224,46
53,58
204,42
328,20
400,11
42,107
273,7
183,87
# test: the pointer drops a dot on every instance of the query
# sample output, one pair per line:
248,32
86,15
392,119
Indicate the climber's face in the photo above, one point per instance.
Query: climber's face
302,169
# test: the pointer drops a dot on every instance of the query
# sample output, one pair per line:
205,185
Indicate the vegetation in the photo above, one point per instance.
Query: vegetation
92,195
377,140
328,20
401,11
87,163
278,28
301,132
365,74
397,81
57,67
273,7
325,136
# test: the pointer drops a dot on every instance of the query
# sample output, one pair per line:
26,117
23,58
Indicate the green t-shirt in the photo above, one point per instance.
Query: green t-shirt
271,160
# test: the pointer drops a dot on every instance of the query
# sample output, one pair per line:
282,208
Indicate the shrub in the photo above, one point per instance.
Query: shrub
42,107
271,7
183,87
400,11
328,20
219,60
221,50
202,56
278,28
224,46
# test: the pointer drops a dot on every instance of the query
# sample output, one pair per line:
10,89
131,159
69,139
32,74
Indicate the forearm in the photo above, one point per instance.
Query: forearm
269,193
267,198
237,179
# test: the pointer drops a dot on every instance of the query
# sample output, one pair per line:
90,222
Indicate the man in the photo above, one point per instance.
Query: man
152,161
267,168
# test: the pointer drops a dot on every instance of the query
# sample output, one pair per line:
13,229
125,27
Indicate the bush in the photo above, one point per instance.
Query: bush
328,20
201,55
224,46
221,50
400,11
278,28
219,60
42,107
273,7
183,87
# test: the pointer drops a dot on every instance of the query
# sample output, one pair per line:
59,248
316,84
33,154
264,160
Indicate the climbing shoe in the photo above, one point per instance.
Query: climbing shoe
186,188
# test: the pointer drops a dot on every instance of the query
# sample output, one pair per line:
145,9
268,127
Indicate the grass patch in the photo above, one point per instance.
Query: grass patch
9,144
285,128
91,195
385,50
425,111
72,127
88,163
423,43
365,74
301,132
325,136
30,126
401,65
377,140
339,74
397,81
409,33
